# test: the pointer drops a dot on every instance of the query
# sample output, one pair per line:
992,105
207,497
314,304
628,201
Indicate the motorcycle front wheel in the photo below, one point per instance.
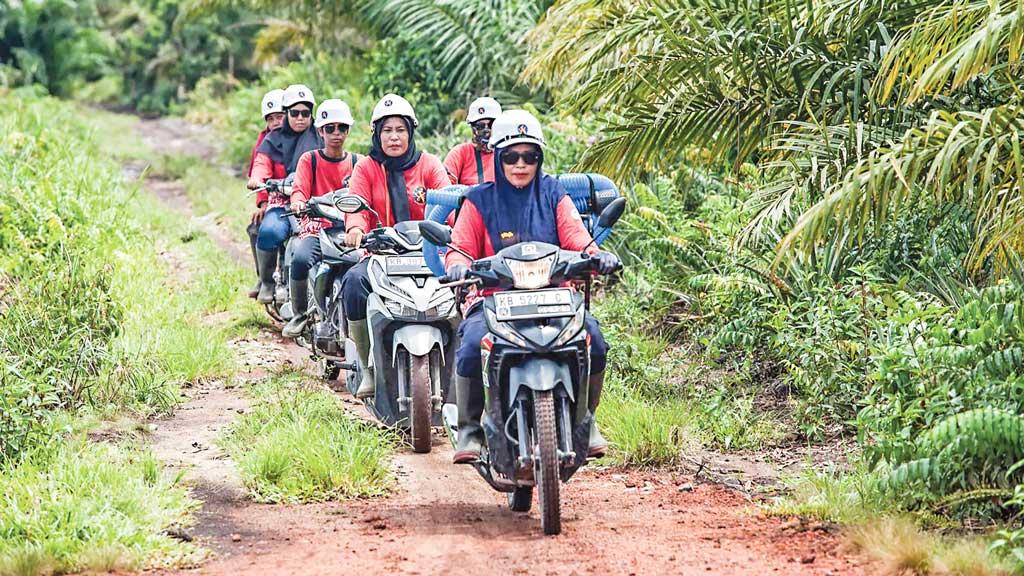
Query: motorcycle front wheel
421,405
546,461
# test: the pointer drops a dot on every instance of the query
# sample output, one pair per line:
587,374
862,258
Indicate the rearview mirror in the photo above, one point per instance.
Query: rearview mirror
436,233
350,203
611,213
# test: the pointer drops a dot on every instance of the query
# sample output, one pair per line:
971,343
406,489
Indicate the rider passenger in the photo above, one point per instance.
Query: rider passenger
319,172
273,115
277,157
393,182
472,163
522,205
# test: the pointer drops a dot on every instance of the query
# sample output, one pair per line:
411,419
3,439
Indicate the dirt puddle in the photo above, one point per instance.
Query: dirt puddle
443,517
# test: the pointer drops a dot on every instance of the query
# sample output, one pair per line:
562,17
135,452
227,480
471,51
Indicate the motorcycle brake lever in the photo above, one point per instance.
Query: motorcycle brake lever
466,282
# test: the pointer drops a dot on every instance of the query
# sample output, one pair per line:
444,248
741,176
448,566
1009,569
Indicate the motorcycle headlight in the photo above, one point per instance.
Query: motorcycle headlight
442,310
572,328
398,309
385,282
531,275
503,330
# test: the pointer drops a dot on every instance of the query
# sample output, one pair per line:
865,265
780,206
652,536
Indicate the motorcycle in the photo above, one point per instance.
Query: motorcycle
280,309
412,323
325,330
536,368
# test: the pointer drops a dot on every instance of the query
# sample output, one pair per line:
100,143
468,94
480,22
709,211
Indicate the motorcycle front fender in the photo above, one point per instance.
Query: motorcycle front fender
418,339
539,374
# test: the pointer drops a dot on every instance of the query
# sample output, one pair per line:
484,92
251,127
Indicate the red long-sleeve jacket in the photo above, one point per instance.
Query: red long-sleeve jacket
370,182
264,168
464,168
470,235
330,176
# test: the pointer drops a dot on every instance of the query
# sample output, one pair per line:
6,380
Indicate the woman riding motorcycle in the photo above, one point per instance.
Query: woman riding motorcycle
472,163
393,182
273,115
277,157
319,172
522,205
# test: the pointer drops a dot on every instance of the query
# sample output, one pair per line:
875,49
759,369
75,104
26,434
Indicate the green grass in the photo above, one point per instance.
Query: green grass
298,444
662,400
644,433
834,495
90,506
109,297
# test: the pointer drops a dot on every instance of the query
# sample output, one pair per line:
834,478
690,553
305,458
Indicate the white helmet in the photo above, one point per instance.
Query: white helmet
393,105
516,127
333,111
272,102
483,108
297,93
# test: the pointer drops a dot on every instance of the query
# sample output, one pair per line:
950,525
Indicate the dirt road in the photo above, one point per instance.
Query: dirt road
444,518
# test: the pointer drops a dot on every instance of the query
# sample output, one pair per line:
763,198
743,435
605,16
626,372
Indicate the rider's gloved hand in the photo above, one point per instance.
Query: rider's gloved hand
298,205
456,272
606,262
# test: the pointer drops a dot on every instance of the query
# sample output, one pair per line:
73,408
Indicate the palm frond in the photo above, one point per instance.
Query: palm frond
969,157
951,44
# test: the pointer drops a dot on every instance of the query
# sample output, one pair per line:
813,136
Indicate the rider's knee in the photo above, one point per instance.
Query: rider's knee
273,232
302,259
471,331
598,346
354,292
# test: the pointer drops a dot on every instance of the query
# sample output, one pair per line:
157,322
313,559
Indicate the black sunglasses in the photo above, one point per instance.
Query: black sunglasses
332,128
511,158
481,125
296,113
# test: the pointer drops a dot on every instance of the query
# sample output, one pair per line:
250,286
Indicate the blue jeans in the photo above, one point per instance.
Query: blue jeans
474,327
274,230
307,251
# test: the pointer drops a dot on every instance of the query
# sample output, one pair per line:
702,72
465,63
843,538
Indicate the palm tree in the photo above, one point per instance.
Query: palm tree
856,109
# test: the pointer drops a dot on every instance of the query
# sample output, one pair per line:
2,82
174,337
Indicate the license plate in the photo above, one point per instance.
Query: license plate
525,304
407,266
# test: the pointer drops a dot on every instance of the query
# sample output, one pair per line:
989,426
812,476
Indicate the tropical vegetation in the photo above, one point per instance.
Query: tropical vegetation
826,225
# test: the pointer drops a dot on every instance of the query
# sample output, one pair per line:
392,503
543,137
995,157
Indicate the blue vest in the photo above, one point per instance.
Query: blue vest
516,215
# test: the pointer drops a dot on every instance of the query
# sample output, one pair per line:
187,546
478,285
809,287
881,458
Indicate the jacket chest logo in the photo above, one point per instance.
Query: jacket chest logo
419,195
508,235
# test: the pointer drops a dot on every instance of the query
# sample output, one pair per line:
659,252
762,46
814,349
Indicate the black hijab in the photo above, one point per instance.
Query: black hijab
395,167
285,145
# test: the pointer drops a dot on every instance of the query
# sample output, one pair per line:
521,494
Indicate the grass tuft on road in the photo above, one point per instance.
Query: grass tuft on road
898,547
298,444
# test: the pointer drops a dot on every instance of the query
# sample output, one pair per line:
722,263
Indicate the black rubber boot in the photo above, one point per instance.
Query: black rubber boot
598,445
469,398
267,264
300,305
253,230
359,332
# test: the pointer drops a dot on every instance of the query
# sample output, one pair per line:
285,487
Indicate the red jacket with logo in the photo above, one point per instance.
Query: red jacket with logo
370,182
